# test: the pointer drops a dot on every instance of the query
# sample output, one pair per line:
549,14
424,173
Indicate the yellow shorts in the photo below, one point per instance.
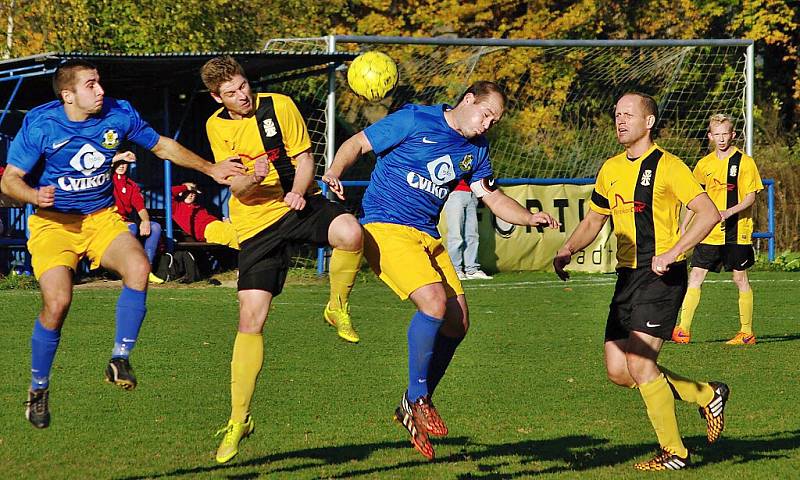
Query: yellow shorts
406,259
222,233
62,239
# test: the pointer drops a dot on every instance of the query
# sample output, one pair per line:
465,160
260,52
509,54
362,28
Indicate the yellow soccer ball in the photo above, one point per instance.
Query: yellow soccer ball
372,75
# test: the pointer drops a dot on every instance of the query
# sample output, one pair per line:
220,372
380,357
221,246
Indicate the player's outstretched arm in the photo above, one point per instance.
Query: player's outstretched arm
13,184
706,216
581,238
345,157
169,149
509,210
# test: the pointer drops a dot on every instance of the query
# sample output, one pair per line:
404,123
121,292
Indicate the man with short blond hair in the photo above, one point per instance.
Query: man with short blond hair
732,180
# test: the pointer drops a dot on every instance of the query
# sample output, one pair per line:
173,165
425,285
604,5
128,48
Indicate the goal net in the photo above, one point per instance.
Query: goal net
559,118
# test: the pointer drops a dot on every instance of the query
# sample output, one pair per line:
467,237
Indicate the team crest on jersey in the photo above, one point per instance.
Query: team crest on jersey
110,139
269,127
646,177
734,170
466,162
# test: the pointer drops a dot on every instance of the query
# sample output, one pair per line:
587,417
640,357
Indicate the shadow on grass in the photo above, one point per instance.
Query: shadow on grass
574,453
788,337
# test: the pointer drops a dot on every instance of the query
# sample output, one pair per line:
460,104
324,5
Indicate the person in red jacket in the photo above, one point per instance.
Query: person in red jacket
128,199
196,221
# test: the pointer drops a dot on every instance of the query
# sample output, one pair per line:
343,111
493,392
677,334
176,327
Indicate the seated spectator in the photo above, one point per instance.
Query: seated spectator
128,198
196,221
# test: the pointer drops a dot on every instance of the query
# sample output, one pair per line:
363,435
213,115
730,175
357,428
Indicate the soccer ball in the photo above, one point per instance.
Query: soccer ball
372,75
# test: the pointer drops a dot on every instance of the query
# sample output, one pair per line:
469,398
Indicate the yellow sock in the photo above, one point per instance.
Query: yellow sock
246,362
688,390
343,269
690,302
746,311
661,409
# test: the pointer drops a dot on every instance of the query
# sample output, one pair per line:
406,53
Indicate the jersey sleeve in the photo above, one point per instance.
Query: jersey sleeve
27,147
483,167
599,199
699,173
390,131
219,148
140,132
295,133
481,180
749,178
178,189
683,182
137,199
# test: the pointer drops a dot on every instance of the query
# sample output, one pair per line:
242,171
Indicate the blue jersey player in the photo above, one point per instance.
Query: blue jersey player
423,151
60,161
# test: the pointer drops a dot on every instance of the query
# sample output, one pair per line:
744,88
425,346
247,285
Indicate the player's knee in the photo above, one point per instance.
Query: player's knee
136,271
619,376
252,318
434,306
741,280
155,229
55,308
346,233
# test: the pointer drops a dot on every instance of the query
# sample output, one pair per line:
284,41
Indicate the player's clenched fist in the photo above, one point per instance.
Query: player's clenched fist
46,196
261,168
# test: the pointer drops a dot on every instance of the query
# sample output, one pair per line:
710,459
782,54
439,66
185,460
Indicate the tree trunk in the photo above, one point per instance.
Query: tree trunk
9,30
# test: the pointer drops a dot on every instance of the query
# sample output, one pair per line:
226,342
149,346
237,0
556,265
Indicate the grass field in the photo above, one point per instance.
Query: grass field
525,397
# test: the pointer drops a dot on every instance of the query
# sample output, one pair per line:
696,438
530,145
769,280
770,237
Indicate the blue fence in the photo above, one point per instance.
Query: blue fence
768,183
15,219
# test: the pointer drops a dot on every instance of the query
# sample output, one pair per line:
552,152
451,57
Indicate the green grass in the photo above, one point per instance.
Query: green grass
526,395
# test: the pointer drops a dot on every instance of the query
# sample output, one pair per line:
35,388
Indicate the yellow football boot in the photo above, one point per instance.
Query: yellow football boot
234,433
340,318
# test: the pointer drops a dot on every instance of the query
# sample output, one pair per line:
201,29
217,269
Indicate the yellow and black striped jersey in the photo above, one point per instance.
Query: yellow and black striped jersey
277,130
727,182
644,197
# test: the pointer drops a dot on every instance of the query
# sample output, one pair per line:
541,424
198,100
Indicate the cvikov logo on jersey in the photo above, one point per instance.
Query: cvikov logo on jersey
441,172
86,161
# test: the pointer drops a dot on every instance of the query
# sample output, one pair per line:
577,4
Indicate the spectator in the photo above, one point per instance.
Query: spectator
461,212
128,198
196,221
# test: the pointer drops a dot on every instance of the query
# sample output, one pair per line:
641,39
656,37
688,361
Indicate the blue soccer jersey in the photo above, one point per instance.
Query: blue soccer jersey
420,160
77,156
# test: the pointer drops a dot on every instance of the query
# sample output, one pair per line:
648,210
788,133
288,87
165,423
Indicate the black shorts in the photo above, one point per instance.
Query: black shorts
264,258
731,256
646,302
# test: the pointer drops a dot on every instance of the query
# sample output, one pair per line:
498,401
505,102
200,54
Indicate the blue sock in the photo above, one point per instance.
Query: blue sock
151,241
443,350
44,344
421,336
130,314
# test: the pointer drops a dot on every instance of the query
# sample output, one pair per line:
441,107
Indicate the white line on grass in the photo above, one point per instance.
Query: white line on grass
591,283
